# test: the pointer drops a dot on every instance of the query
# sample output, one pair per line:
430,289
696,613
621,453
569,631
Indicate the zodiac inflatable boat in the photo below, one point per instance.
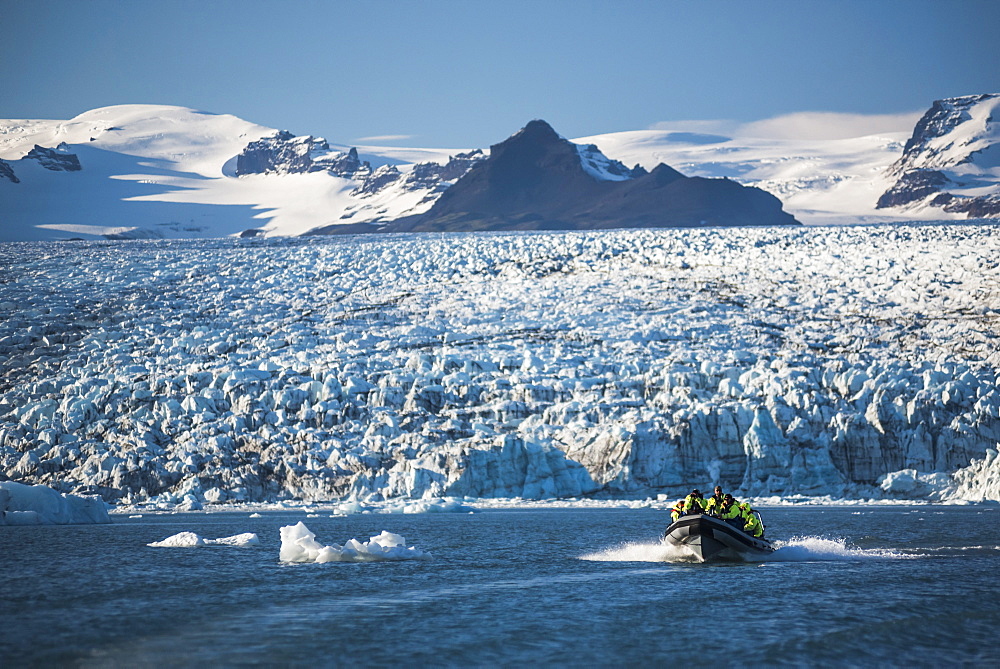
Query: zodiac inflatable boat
712,539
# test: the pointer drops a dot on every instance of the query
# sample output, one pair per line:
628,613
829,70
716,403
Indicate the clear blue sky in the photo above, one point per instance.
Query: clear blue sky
465,73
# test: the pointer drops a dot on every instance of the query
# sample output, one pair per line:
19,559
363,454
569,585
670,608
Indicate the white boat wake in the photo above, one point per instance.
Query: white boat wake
797,549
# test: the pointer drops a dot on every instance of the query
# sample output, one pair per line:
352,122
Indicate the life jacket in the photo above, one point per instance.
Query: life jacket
714,503
731,511
678,509
753,526
693,504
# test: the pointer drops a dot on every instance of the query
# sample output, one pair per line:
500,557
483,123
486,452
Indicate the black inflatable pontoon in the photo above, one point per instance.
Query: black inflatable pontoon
712,539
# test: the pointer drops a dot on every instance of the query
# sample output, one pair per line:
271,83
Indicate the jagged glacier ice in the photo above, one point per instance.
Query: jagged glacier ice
814,361
978,482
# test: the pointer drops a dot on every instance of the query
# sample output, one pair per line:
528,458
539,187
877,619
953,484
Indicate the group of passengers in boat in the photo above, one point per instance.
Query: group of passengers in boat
723,506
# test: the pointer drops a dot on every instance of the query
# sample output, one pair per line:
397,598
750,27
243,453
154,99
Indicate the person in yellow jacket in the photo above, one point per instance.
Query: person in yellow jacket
678,510
714,503
694,503
730,509
753,526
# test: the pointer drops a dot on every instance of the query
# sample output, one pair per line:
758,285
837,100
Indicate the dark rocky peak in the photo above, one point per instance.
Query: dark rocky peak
533,146
285,153
57,160
663,174
7,172
539,144
536,179
536,130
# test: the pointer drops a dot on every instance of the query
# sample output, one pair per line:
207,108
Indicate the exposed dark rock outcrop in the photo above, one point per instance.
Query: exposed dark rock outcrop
913,186
341,164
284,153
427,176
381,178
537,180
57,160
987,206
7,172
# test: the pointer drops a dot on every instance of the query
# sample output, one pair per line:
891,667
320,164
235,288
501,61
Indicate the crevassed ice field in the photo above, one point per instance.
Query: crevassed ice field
840,362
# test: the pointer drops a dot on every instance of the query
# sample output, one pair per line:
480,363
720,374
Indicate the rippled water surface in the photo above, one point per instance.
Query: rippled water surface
914,586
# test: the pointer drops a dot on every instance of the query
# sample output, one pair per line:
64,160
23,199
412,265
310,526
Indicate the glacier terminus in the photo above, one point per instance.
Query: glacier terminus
817,362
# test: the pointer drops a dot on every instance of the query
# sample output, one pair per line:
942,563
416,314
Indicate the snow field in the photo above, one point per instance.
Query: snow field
157,171
819,181
819,361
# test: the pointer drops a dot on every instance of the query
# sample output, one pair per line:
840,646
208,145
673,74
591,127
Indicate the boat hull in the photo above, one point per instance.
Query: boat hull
711,539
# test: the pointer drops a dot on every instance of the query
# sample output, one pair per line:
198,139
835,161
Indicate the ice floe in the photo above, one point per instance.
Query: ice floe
192,539
298,544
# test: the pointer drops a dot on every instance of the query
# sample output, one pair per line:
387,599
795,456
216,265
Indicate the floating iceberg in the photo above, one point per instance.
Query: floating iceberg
298,544
179,540
191,539
40,505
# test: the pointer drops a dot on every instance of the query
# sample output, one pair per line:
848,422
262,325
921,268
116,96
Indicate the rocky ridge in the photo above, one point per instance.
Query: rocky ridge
58,159
55,160
285,153
433,178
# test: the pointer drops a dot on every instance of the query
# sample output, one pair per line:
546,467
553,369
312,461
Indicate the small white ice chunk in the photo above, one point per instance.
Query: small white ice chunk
190,540
245,539
179,540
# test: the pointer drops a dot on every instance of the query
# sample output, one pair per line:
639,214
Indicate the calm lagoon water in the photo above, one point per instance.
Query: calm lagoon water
915,586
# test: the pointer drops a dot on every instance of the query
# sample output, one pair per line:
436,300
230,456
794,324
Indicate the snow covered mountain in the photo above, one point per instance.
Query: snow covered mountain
952,161
947,169
169,172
